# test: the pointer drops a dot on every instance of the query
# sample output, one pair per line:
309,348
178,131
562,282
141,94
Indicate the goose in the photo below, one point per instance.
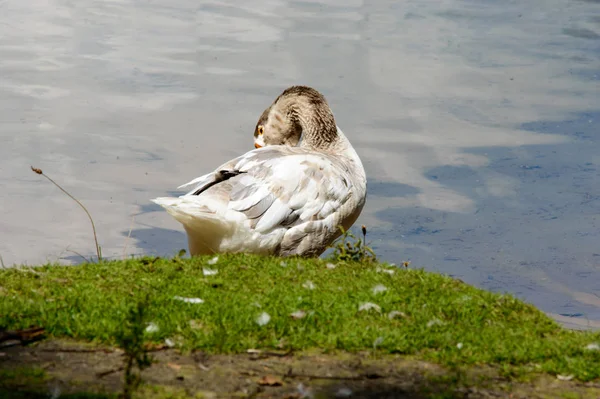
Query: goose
288,196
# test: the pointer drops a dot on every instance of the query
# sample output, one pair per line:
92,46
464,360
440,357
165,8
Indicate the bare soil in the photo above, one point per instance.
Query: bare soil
72,368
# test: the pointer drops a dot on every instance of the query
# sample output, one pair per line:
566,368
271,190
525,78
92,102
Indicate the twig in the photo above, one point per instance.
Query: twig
2,262
27,269
128,235
23,336
7,343
78,254
76,350
105,373
39,172
333,377
264,355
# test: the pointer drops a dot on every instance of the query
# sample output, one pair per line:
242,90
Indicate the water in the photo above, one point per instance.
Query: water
477,122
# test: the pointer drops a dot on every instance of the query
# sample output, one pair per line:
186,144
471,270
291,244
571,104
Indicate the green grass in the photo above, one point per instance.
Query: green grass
442,319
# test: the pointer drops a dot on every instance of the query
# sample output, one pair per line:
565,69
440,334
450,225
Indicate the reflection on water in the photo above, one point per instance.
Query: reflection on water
477,123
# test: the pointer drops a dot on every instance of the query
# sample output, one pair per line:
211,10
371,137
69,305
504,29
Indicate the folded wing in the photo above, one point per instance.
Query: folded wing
275,187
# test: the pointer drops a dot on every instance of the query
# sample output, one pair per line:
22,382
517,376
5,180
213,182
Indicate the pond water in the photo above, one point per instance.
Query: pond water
477,122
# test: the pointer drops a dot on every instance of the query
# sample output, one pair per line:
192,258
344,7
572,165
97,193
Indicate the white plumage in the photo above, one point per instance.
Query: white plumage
279,199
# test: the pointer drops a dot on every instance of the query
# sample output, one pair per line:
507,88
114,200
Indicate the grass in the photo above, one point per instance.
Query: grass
131,338
406,311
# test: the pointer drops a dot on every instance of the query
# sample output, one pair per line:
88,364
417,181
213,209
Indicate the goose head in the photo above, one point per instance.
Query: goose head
300,116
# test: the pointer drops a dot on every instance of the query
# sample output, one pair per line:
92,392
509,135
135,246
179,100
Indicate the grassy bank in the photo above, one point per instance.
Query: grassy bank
235,303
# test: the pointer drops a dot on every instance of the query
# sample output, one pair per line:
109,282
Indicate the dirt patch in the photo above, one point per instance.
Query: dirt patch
57,368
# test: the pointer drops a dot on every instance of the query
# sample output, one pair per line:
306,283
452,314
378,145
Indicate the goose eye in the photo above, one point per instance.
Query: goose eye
261,130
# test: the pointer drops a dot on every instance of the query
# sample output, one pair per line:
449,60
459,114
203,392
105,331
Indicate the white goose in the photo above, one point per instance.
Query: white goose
288,196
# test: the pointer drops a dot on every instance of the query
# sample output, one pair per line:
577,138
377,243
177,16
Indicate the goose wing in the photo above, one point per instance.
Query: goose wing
276,187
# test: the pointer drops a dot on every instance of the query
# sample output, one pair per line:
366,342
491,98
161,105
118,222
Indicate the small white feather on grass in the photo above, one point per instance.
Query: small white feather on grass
298,314
213,260
396,314
368,306
188,300
434,322
263,319
565,377
384,270
379,288
593,347
151,328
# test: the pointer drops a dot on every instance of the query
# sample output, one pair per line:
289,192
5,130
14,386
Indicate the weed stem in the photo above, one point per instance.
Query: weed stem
39,172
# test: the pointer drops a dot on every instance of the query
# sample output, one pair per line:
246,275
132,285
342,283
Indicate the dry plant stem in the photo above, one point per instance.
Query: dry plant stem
39,172
80,255
128,236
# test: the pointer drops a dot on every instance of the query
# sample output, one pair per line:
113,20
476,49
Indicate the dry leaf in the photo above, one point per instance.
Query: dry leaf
151,346
203,367
174,366
270,380
282,343
196,325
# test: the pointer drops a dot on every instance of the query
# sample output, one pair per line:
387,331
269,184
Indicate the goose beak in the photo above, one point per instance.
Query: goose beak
259,142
